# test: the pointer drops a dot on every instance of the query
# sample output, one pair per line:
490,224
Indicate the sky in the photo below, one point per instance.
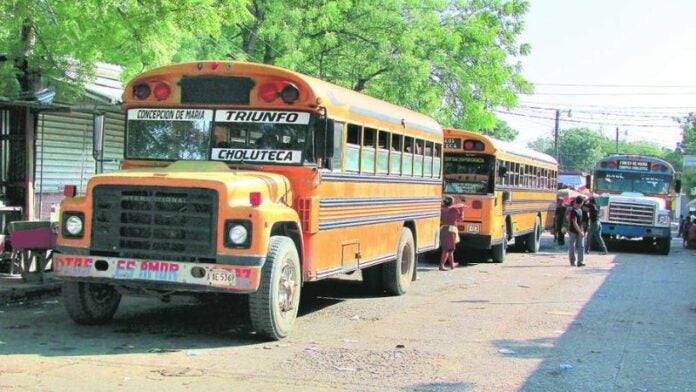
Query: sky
608,64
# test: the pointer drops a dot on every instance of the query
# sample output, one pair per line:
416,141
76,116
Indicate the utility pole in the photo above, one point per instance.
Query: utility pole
555,133
617,140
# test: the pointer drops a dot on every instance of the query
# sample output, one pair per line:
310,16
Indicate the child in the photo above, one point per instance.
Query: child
450,217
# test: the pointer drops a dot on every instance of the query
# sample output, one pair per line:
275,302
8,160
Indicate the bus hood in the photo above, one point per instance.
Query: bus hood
236,183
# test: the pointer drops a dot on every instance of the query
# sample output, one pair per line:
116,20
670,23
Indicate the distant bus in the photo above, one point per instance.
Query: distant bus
636,197
575,180
252,179
510,191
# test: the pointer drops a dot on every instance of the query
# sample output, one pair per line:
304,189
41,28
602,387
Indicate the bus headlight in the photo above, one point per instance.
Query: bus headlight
237,234
73,224
663,220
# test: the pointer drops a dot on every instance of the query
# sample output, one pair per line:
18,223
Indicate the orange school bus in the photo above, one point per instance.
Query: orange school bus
251,179
510,191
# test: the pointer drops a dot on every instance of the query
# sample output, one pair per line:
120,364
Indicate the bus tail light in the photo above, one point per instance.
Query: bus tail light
162,91
141,91
286,91
255,198
474,145
477,204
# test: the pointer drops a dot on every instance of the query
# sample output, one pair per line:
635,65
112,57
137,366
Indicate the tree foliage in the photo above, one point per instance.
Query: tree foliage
452,59
502,131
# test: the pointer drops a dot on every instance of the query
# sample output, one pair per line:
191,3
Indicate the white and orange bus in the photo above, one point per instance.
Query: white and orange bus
252,179
510,191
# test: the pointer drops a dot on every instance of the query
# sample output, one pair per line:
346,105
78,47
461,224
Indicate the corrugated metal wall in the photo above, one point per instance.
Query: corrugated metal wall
64,153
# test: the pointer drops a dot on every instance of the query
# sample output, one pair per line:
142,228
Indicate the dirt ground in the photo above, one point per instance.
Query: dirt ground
625,322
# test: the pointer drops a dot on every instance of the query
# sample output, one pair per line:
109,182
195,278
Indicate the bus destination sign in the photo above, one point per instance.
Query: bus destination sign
634,165
453,143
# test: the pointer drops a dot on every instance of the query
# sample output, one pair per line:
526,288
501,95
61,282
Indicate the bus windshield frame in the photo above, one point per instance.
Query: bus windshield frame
256,136
647,183
469,174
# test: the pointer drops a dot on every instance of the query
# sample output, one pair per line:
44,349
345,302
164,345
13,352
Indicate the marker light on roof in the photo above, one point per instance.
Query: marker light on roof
162,91
141,91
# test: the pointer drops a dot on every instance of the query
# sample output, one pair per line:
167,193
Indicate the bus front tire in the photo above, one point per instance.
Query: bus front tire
373,279
90,303
663,245
533,238
273,307
398,273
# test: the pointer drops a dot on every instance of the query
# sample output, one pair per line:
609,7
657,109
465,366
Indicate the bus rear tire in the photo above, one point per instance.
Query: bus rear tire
533,238
499,251
399,273
273,307
90,303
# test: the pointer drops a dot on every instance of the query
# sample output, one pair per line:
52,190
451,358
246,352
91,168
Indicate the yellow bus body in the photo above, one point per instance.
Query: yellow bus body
518,205
341,219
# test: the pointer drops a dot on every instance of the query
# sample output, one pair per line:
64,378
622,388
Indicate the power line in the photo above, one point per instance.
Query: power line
614,85
607,123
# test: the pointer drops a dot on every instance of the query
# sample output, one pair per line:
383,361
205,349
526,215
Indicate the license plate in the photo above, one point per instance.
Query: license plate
222,277
473,228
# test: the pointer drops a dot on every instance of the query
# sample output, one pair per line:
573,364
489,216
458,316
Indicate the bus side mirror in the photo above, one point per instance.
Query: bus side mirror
98,137
677,186
588,181
506,196
324,139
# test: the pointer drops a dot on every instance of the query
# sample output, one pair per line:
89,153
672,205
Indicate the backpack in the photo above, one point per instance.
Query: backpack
566,218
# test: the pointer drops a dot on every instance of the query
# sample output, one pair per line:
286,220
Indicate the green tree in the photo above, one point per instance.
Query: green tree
454,60
502,131
57,42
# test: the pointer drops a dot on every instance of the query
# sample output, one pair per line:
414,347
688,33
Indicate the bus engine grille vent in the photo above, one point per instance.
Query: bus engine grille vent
631,213
155,223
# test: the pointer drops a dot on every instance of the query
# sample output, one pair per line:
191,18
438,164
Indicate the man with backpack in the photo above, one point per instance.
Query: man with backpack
594,232
576,233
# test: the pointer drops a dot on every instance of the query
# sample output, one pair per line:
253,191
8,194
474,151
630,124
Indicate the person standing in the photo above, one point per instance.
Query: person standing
558,221
450,217
594,231
576,248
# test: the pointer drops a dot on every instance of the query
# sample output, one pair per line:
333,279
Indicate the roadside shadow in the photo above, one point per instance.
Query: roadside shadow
593,351
146,325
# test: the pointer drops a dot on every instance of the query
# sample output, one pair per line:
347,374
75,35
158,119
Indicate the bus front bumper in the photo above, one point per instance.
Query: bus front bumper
635,231
179,276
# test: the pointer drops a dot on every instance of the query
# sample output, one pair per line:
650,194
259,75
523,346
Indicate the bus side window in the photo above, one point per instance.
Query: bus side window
407,162
418,159
383,152
437,159
428,164
395,156
368,151
353,147
338,146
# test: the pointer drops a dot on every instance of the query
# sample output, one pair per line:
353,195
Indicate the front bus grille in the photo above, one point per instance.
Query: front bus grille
156,223
631,213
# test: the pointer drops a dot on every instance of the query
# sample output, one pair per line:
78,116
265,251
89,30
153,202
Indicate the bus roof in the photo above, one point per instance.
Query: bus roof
320,92
507,147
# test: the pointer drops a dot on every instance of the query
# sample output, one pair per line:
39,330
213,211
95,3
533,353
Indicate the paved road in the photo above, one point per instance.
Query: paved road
626,322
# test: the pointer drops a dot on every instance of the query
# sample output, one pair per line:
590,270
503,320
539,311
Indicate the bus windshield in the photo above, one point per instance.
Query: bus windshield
175,134
469,174
632,182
